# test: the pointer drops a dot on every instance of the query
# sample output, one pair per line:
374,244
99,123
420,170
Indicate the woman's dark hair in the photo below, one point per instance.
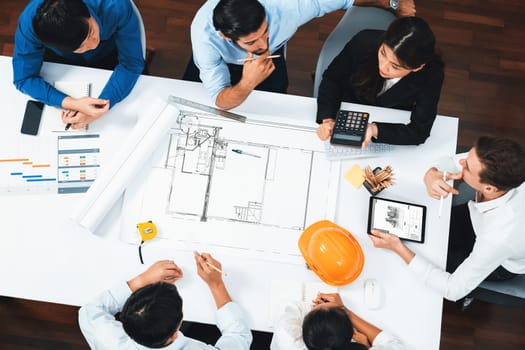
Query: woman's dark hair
152,314
329,329
503,162
236,18
413,43
62,24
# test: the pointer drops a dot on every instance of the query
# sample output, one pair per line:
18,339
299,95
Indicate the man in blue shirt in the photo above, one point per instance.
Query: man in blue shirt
79,32
225,32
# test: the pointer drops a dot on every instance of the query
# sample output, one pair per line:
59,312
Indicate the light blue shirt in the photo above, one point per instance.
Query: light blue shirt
101,330
212,53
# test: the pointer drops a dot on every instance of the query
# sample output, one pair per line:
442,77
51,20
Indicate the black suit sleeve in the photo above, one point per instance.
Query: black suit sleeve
423,114
334,79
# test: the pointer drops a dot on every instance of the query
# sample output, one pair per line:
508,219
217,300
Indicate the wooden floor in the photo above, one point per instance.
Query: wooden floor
483,44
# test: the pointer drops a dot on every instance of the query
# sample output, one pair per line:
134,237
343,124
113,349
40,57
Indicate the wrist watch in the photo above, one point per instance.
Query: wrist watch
394,4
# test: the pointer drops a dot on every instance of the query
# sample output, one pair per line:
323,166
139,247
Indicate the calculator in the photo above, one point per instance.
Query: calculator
349,128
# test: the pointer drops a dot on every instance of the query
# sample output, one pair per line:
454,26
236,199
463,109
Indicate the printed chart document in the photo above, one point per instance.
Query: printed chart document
50,163
246,189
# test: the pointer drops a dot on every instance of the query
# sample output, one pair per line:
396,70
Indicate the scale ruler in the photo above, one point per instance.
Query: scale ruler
209,109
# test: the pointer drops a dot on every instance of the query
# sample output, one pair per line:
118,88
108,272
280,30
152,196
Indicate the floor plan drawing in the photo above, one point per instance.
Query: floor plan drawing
253,181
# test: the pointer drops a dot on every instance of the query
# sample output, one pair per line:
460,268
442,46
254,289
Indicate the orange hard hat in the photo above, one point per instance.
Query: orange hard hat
332,253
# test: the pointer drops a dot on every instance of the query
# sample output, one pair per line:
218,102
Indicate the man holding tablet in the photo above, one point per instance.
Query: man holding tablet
486,238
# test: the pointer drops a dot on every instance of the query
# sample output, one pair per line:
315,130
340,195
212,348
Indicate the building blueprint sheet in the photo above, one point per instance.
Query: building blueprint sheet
247,188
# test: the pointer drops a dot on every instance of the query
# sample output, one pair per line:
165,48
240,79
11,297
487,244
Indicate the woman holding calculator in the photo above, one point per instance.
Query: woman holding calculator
398,69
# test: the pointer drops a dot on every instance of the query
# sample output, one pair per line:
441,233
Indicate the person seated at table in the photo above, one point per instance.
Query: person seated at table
398,69
486,235
225,32
94,33
328,325
150,310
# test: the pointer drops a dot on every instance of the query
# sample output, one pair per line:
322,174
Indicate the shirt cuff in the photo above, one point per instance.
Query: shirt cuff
121,293
228,314
383,338
418,265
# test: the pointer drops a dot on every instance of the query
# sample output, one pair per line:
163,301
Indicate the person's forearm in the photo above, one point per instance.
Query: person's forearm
362,326
404,252
376,3
220,294
233,96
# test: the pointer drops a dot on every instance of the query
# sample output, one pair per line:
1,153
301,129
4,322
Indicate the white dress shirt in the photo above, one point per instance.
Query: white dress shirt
102,331
287,333
498,225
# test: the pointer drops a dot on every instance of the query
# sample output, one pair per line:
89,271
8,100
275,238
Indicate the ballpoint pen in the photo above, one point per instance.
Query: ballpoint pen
441,198
247,59
246,153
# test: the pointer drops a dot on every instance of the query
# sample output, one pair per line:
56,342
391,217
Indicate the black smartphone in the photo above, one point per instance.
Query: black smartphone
32,117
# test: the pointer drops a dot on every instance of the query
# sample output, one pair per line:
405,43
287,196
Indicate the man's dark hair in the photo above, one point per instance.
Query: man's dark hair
152,314
62,24
329,329
503,162
236,18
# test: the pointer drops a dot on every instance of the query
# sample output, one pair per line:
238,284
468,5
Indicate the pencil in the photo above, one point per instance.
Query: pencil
211,265
215,268
441,198
254,58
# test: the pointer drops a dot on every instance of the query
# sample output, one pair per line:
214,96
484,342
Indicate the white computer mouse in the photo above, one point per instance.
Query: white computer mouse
372,294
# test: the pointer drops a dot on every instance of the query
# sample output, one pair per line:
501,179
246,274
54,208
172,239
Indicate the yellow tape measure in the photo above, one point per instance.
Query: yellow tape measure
147,230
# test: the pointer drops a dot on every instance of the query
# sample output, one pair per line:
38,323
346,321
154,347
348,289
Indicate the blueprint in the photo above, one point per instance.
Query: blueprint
250,188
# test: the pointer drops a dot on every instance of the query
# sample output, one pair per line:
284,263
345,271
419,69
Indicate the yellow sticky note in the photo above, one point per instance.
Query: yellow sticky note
355,176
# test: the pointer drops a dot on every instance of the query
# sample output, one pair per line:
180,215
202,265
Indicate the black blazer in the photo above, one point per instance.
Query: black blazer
417,92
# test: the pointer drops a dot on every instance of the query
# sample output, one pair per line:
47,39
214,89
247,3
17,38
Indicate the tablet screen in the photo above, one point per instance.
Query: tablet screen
405,220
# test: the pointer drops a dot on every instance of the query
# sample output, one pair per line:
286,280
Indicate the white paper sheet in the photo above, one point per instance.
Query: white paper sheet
151,128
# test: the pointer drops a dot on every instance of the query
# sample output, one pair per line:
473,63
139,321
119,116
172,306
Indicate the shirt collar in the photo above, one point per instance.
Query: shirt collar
101,33
484,207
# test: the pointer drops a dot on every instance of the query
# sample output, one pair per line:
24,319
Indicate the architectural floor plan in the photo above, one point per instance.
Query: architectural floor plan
238,185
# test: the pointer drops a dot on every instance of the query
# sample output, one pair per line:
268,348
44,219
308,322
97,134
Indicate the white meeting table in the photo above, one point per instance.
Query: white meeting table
44,256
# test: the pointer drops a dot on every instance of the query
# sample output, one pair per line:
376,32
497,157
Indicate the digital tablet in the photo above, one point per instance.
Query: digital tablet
405,220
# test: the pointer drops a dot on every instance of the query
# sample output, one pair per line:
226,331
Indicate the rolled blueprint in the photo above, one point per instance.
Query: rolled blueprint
145,137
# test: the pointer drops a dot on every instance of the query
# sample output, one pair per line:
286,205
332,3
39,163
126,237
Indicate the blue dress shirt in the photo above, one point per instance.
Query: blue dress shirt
212,53
119,27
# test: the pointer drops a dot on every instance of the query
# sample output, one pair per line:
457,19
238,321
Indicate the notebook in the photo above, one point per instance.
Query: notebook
284,291
75,89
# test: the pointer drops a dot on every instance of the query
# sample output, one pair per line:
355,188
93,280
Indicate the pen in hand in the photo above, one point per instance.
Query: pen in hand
254,58
211,265
68,125
441,197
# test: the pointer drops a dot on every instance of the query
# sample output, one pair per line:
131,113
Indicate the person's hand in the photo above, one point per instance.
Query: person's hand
406,8
324,131
257,70
385,240
161,271
205,269
436,186
393,243
73,119
371,131
87,110
331,299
